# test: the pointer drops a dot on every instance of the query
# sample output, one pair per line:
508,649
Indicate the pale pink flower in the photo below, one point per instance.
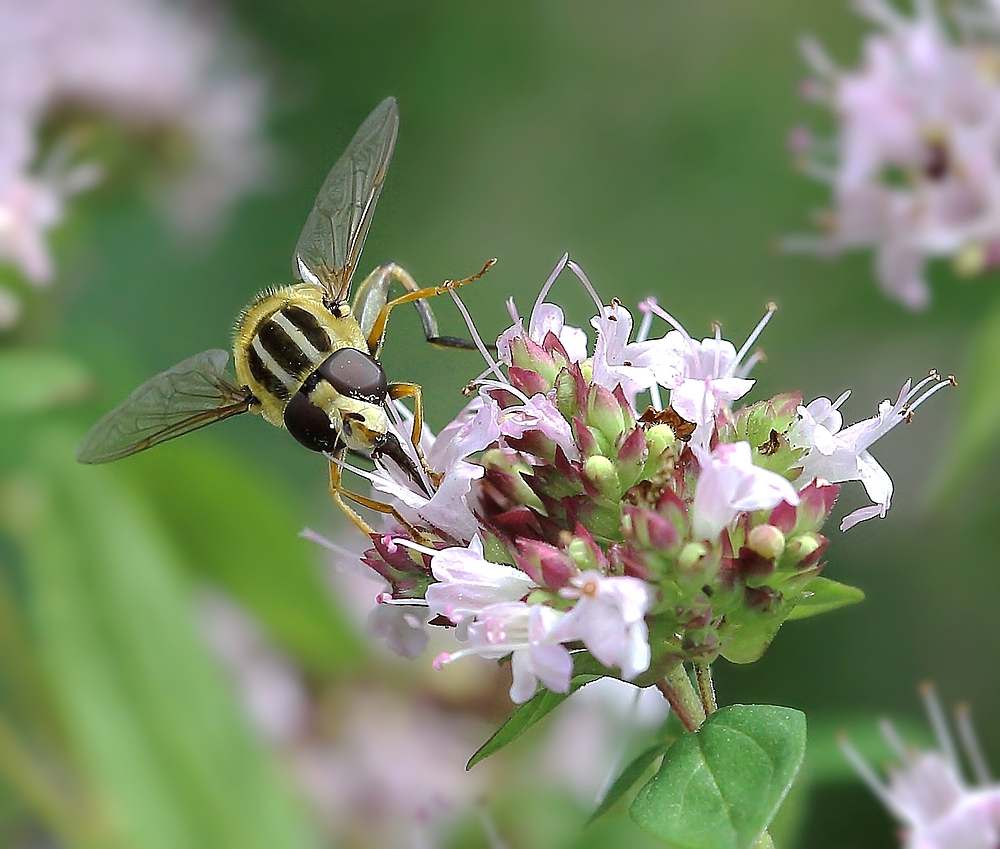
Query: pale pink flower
527,633
837,455
540,413
608,618
635,366
730,484
545,318
149,65
467,582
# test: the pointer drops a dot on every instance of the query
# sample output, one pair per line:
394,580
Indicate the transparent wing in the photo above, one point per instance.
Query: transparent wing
188,396
331,241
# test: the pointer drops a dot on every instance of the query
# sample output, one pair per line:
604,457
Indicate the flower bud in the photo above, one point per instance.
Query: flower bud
600,471
767,541
660,439
604,412
691,554
804,546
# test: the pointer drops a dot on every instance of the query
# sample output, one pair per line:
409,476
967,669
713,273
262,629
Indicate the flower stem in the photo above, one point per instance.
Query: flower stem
706,689
677,688
764,842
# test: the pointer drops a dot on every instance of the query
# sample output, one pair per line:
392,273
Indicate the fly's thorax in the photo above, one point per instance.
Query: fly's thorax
282,338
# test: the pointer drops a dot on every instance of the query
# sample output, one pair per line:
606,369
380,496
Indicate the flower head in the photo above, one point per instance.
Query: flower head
559,520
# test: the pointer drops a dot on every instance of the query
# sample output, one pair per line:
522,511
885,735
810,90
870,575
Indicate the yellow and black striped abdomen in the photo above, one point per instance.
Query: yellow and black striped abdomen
282,338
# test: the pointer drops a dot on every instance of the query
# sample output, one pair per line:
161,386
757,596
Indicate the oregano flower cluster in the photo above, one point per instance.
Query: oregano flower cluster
606,506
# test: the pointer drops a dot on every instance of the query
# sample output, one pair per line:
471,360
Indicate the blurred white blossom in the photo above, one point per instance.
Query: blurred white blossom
928,792
914,161
148,64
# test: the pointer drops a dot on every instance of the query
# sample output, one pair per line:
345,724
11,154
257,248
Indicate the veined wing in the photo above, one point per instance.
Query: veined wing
328,250
192,394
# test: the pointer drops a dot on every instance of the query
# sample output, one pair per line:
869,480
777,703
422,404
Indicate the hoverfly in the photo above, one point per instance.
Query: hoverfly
305,358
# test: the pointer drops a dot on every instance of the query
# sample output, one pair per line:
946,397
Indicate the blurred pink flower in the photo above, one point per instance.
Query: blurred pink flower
914,164
927,791
145,63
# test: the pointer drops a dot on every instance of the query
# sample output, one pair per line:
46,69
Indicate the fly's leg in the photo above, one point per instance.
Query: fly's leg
414,391
371,307
340,492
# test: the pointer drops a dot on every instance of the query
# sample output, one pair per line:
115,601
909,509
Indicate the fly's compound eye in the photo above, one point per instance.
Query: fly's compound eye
356,375
310,426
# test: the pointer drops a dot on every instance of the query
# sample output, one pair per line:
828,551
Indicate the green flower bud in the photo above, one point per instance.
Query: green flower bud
767,541
803,546
691,554
660,439
582,555
600,471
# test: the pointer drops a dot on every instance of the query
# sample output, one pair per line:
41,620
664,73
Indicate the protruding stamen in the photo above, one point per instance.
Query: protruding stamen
871,779
771,308
386,598
416,546
891,736
490,362
940,725
548,283
505,387
747,367
817,58
654,307
970,745
322,541
949,381
587,285
490,829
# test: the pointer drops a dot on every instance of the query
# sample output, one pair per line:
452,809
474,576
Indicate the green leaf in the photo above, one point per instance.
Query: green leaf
628,778
155,726
35,381
242,532
585,670
823,595
978,430
747,640
720,786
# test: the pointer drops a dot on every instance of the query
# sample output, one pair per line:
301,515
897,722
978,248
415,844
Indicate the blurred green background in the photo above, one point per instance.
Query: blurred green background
648,140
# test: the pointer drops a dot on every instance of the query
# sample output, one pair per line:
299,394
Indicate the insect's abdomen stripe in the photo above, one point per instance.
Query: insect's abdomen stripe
290,355
308,325
267,373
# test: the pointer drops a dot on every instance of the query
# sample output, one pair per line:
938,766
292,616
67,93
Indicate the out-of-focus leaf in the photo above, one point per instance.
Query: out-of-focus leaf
668,732
628,777
720,786
823,595
243,534
585,670
978,429
525,716
153,722
34,381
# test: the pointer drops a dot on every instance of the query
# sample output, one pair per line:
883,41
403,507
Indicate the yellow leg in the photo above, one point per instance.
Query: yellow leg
413,390
378,328
339,493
